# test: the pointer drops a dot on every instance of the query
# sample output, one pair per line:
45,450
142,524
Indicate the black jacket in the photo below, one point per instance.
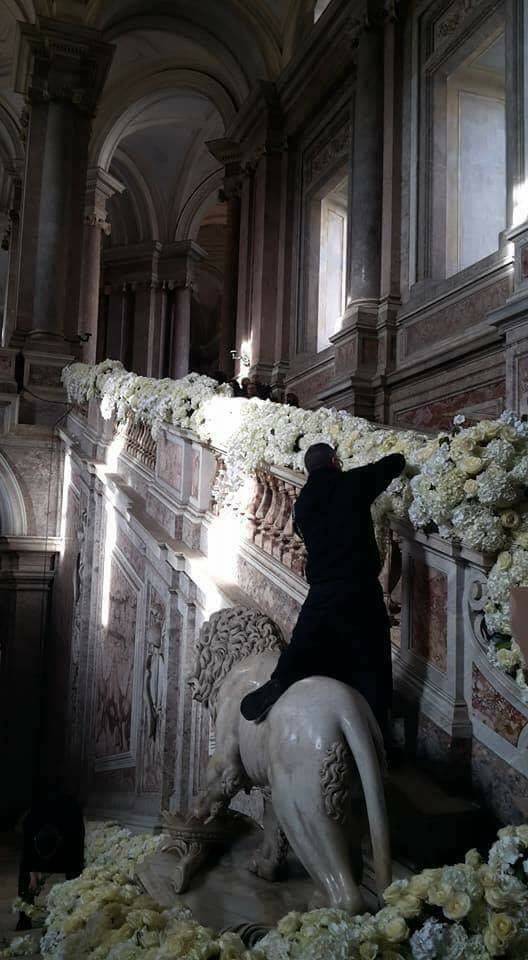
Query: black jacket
333,516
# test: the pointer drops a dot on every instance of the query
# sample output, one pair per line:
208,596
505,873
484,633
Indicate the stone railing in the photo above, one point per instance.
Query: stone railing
170,552
140,444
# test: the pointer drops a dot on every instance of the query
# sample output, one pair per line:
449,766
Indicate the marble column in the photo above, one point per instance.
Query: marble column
511,320
356,347
181,332
61,70
15,172
365,182
229,295
227,152
177,270
100,186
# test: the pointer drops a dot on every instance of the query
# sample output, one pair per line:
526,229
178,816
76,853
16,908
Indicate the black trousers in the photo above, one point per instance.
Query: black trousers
343,631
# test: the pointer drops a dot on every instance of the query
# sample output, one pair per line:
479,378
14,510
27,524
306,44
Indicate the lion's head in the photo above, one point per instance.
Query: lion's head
228,637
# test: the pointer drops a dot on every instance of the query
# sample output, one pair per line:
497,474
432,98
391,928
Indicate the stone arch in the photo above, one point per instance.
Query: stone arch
139,197
13,513
115,116
192,214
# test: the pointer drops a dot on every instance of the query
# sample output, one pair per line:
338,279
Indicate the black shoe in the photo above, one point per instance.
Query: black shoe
24,922
256,706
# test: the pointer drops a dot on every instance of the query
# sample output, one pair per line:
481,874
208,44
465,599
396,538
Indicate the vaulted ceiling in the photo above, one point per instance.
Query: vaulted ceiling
179,74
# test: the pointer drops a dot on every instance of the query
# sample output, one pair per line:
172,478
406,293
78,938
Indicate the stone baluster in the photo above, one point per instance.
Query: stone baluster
269,519
279,542
263,507
250,512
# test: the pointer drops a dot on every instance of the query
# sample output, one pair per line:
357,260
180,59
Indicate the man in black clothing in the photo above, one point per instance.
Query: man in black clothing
53,842
343,630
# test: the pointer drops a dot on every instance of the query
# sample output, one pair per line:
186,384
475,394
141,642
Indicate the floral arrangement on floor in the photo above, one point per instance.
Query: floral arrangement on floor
472,911
469,484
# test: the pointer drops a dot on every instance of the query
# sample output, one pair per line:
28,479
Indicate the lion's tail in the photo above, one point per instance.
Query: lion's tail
366,745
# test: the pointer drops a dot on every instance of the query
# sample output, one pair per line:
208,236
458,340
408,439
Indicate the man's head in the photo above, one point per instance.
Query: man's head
321,456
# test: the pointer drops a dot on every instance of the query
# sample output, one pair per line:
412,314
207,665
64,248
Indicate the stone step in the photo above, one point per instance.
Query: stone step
430,825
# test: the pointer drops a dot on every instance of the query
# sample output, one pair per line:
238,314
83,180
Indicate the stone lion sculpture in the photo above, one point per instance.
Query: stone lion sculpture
314,756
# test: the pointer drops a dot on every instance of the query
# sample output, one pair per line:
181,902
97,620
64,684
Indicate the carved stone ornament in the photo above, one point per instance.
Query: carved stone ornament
335,782
193,842
61,62
453,18
226,638
155,666
93,220
476,601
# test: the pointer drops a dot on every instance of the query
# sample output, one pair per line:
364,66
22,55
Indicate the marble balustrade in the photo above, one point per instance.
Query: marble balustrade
157,555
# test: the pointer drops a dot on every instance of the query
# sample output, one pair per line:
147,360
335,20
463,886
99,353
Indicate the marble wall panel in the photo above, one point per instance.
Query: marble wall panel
115,668
494,711
429,614
438,414
170,463
455,319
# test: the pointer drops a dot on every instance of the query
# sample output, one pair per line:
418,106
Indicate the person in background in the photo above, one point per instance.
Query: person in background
53,842
343,629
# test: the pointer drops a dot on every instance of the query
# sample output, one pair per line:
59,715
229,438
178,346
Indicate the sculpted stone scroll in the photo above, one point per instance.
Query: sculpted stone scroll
317,751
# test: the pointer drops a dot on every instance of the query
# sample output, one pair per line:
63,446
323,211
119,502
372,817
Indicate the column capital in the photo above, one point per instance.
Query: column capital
100,186
61,62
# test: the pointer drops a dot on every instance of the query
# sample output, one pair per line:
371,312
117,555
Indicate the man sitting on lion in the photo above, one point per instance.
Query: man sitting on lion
343,629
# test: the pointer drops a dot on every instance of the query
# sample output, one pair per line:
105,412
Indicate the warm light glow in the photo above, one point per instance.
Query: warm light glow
219,566
66,480
115,450
223,543
110,539
246,352
520,204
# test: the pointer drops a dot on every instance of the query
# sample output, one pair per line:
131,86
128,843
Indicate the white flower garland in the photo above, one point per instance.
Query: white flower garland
471,911
470,484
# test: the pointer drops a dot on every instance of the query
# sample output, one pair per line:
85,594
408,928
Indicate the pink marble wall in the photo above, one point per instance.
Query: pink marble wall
494,711
456,318
115,669
429,614
170,463
195,482
438,414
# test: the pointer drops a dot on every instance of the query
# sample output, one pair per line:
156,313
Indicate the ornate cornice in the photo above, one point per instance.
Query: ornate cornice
61,62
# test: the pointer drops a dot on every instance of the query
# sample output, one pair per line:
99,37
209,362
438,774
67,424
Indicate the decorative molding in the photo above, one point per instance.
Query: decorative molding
453,18
328,154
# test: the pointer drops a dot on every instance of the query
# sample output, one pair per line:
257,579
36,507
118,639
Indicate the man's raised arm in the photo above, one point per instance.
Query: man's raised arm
376,477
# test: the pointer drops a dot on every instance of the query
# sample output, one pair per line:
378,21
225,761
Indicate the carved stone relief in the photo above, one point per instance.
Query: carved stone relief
336,782
115,669
155,691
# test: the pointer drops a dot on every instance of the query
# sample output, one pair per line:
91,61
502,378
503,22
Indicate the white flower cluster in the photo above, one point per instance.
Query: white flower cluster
470,485
471,911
